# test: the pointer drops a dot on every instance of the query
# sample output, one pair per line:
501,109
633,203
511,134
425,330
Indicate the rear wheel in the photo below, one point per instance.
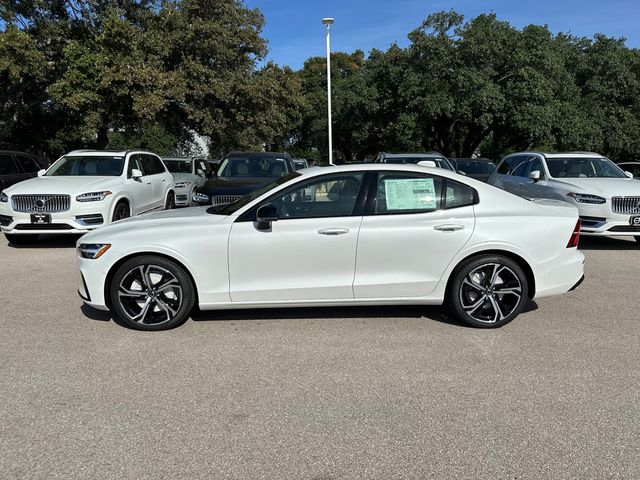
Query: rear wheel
170,203
121,212
151,293
488,291
21,239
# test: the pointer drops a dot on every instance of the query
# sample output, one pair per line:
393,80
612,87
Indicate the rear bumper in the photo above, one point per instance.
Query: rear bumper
560,275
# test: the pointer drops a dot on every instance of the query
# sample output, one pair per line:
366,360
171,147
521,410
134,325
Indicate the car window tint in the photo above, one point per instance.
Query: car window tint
535,164
151,164
458,195
520,168
134,163
332,196
407,193
28,164
7,167
510,164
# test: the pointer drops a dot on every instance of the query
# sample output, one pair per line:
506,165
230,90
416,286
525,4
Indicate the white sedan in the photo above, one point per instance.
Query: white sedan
373,234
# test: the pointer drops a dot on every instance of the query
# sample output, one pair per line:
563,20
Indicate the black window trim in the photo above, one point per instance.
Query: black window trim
370,208
358,208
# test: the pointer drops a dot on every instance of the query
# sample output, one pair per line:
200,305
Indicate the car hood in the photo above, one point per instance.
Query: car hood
178,220
231,186
183,177
63,185
604,187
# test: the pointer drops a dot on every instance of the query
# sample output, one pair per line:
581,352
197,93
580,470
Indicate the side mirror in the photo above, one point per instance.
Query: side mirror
136,174
535,175
427,163
461,172
628,174
43,171
265,215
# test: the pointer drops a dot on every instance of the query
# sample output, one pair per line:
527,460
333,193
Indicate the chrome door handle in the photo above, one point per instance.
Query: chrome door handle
333,231
448,228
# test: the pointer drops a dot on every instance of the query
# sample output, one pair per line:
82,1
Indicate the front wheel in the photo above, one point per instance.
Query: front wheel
26,239
488,291
151,293
170,203
121,212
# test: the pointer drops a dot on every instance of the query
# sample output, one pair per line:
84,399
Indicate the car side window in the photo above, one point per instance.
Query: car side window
134,163
7,166
28,164
150,164
458,195
332,196
407,193
535,164
510,164
159,166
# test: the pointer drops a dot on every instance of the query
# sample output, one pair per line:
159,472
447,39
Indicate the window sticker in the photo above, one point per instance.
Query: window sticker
410,194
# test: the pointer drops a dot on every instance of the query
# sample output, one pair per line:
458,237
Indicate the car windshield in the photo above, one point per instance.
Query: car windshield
475,167
94,166
253,166
250,197
178,166
439,161
583,167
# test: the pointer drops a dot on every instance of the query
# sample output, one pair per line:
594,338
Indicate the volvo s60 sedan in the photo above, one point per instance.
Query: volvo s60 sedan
373,234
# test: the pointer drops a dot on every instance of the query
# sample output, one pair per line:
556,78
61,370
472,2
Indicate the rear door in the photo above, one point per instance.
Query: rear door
414,224
157,176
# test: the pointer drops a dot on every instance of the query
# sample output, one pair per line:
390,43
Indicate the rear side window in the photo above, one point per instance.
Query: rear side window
399,193
151,165
28,164
7,167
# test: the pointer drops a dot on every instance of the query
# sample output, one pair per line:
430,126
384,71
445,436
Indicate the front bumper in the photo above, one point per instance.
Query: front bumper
599,220
81,218
183,197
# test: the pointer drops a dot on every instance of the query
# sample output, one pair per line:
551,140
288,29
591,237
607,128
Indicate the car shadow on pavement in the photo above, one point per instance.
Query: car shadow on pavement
50,241
437,313
608,243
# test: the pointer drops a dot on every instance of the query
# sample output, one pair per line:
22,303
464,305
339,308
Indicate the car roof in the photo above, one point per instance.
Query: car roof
5,152
270,154
413,155
560,154
97,153
358,167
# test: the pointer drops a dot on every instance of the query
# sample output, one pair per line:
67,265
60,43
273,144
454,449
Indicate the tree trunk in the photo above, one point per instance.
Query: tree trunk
103,138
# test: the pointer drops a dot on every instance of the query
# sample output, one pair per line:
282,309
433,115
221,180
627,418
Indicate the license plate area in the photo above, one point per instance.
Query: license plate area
40,218
634,221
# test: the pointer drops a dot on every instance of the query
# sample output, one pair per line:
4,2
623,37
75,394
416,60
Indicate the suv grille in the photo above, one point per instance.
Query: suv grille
625,204
224,199
41,203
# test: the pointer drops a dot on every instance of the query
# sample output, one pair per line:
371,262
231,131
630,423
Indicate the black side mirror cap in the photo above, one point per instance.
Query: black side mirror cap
265,215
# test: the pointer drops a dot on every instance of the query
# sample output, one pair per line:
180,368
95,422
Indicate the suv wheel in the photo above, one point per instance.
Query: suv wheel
17,239
121,212
170,203
488,291
151,293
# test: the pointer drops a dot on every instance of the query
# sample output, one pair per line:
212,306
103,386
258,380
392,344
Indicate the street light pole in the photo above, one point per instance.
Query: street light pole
328,22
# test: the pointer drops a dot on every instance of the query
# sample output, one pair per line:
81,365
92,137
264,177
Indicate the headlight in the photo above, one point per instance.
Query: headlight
93,250
3,197
93,196
183,184
586,198
201,198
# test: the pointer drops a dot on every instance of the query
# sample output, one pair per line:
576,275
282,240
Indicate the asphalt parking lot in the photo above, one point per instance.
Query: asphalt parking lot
319,393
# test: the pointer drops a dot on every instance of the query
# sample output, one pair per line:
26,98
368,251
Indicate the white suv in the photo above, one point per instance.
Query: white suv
83,190
189,173
607,197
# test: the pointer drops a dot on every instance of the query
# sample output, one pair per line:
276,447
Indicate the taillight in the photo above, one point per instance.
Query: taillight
575,236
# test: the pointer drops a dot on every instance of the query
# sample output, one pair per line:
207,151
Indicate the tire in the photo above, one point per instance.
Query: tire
475,299
170,202
151,293
17,239
121,212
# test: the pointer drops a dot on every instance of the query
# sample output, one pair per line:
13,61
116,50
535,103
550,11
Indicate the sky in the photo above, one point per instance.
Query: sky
295,32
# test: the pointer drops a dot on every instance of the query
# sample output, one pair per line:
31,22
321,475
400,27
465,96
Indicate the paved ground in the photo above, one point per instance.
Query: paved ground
319,394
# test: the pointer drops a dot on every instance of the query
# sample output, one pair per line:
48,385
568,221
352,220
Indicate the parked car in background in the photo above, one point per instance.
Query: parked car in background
631,167
608,200
422,236
240,173
189,173
438,159
300,163
478,168
16,167
83,190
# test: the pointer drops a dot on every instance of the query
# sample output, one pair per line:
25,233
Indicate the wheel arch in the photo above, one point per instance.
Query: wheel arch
522,263
114,268
120,199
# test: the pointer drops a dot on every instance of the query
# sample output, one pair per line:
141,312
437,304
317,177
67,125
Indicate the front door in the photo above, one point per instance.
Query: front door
141,188
412,229
309,253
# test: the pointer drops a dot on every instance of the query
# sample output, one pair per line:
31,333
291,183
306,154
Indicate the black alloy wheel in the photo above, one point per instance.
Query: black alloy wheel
488,291
151,293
